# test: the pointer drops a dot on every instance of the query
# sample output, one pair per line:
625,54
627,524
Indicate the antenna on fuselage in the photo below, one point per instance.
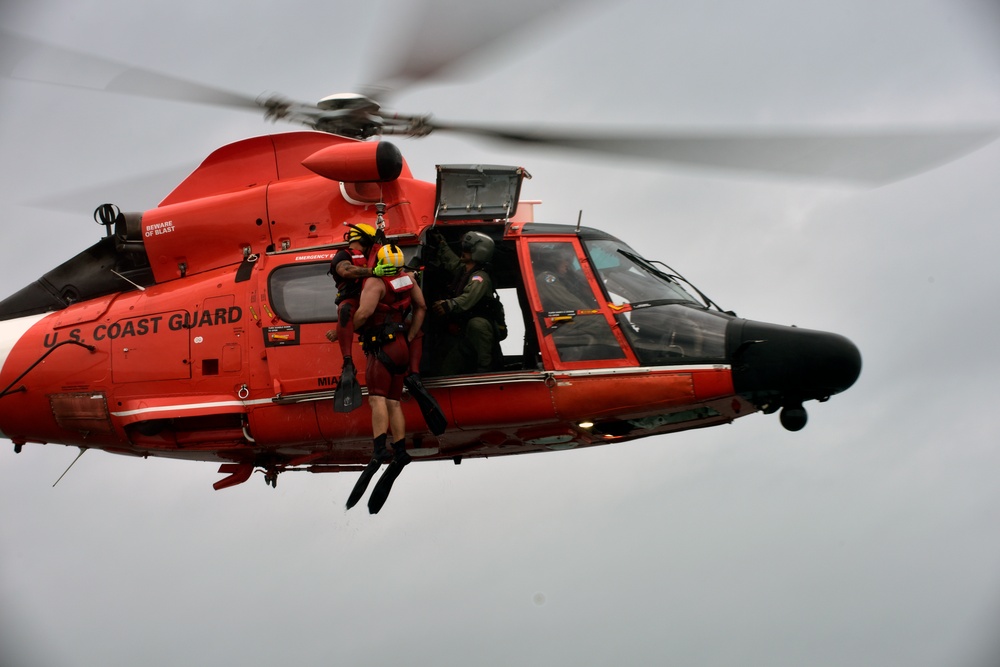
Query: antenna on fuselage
82,451
134,284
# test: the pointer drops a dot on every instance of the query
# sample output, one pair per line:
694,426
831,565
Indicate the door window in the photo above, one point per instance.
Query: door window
570,317
303,293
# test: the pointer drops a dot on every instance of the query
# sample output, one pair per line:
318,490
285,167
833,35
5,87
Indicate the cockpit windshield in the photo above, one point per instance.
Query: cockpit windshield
631,279
663,321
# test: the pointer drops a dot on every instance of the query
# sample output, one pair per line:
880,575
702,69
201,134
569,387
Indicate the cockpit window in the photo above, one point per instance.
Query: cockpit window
664,323
629,278
561,285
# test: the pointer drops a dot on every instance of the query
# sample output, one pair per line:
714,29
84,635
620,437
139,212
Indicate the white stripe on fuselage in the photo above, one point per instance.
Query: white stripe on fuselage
11,331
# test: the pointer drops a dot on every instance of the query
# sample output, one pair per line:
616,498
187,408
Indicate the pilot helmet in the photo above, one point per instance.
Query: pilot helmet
479,246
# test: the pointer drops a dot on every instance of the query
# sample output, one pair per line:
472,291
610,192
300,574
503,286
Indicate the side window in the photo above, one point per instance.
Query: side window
561,285
571,316
303,293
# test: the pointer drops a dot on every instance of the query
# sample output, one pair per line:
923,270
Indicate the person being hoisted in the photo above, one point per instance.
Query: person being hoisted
381,321
350,266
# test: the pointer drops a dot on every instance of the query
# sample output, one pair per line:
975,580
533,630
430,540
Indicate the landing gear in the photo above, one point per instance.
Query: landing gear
271,477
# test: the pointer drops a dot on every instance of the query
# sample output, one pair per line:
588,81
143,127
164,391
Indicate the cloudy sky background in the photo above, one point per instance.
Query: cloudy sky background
869,538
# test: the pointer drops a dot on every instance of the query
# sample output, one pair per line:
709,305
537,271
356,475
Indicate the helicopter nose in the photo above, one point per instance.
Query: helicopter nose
778,366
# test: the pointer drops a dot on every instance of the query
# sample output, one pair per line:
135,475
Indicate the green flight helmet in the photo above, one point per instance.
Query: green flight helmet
479,246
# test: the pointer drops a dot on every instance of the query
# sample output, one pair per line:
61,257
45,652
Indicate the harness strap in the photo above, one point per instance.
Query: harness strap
372,343
394,368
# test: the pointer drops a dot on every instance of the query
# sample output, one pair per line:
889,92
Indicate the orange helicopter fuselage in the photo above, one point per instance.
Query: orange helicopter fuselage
222,355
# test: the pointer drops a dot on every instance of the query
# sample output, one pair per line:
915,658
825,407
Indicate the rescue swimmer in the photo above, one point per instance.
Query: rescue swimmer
386,334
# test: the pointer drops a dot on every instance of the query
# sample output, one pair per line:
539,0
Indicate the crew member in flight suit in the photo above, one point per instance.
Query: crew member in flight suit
471,340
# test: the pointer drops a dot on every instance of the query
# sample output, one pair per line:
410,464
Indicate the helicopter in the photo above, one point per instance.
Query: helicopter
196,329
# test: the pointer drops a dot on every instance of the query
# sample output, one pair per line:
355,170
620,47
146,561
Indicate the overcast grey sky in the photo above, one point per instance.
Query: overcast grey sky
869,538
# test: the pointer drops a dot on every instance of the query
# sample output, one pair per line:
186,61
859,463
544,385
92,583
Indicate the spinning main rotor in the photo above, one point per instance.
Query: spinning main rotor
427,51
346,114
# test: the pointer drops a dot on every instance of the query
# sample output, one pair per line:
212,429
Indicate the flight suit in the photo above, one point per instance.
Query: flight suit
470,337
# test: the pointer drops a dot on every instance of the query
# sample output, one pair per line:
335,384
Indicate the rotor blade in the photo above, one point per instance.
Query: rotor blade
27,59
438,36
866,156
134,193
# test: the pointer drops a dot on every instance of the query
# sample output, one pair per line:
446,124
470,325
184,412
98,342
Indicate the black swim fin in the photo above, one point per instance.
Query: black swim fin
429,407
362,484
348,395
381,491
380,456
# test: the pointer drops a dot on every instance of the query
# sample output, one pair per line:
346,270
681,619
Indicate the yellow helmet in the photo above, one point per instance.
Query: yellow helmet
363,233
391,255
